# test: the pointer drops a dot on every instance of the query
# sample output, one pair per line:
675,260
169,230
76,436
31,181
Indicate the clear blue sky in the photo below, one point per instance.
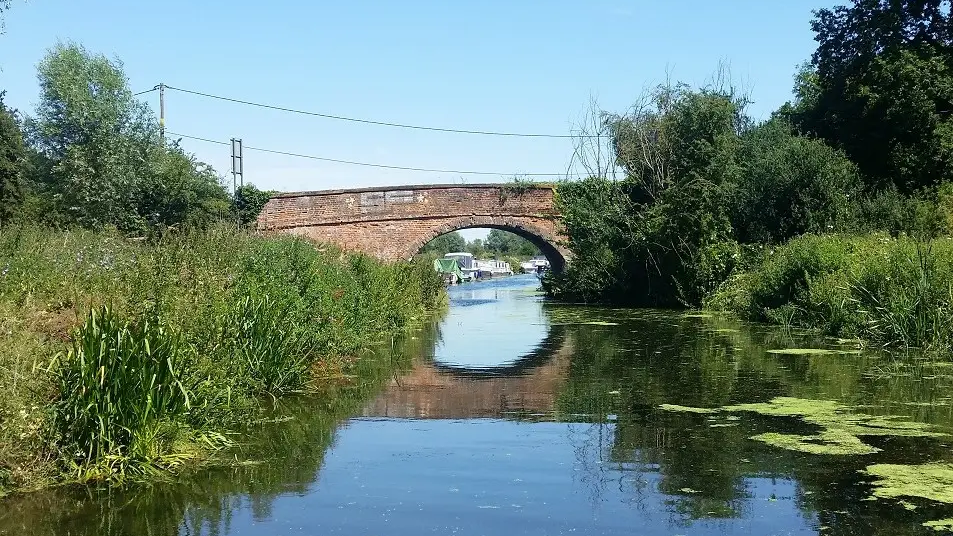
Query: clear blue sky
503,65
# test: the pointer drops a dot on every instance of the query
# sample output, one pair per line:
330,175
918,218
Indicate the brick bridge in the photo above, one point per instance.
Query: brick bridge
394,222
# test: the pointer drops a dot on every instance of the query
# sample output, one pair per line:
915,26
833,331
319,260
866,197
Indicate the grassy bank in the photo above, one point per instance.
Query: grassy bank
121,358
892,291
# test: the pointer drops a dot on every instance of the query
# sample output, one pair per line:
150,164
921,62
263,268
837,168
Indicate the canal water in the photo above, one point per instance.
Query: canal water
512,416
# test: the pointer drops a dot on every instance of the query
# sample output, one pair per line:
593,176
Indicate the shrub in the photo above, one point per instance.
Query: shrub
895,291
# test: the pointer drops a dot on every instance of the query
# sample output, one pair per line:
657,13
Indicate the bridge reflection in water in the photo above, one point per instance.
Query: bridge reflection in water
486,363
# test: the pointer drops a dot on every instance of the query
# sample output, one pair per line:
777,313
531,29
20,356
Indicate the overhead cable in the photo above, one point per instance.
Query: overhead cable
366,164
379,123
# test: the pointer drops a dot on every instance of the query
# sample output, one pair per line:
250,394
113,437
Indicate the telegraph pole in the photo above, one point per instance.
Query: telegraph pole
162,111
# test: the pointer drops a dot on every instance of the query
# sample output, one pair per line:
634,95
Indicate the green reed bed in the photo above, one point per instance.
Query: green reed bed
127,358
892,291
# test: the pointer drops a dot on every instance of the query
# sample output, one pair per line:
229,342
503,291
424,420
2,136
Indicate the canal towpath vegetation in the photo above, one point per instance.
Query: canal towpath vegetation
124,359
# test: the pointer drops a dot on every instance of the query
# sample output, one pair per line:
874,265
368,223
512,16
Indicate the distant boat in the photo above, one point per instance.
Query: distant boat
468,268
449,269
535,265
493,267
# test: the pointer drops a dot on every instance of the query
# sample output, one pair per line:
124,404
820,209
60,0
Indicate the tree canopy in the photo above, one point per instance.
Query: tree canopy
13,162
92,155
880,87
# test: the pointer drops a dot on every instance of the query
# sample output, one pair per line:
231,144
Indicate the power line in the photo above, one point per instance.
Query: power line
379,123
145,91
367,164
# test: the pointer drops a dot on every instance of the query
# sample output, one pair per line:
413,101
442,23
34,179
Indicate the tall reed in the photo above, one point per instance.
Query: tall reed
119,386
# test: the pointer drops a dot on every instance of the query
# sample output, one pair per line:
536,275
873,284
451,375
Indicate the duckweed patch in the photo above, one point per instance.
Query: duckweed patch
832,442
687,409
812,351
931,481
840,427
940,524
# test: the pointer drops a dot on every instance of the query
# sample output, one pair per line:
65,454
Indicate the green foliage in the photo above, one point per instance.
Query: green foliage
498,244
662,236
199,327
791,185
476,247
98,138
445,243
13,161
183,192
506,243
100,160
120,391
879,86
248,202
891,290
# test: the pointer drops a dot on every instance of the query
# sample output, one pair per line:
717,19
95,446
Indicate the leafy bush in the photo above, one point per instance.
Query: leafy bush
896,291
791,185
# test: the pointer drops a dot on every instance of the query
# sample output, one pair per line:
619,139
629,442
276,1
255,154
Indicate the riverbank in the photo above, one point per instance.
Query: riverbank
124,359
890,291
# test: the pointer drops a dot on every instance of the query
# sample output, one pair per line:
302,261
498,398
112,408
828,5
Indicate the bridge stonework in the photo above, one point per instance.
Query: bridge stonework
393,223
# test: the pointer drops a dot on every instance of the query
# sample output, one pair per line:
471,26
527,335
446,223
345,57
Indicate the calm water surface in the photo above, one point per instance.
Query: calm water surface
519,417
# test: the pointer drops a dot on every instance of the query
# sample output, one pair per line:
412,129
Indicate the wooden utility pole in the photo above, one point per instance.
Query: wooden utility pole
162,112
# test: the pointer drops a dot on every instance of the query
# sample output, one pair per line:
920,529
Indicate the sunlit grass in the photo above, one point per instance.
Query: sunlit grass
121,357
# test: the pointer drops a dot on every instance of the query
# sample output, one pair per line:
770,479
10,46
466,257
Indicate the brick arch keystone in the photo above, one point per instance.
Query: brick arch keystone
393,223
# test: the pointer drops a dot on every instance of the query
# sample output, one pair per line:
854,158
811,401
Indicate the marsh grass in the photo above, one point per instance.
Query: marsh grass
890,291
123,358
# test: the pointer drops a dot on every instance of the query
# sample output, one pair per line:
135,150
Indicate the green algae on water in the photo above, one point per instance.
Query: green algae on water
831,442
840,428
687,409
812,351
931,481
940,524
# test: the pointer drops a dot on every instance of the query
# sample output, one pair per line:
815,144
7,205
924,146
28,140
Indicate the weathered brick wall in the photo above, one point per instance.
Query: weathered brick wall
395,222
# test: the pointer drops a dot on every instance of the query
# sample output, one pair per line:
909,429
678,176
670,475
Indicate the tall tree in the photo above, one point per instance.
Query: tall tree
99,140
13,159
507,243
880,86
101,158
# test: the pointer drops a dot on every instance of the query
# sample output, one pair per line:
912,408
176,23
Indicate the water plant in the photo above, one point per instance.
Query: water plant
840,427
931,481
153,352
120,391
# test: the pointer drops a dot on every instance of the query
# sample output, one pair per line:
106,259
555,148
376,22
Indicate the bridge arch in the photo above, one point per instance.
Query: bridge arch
540,237
393,223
